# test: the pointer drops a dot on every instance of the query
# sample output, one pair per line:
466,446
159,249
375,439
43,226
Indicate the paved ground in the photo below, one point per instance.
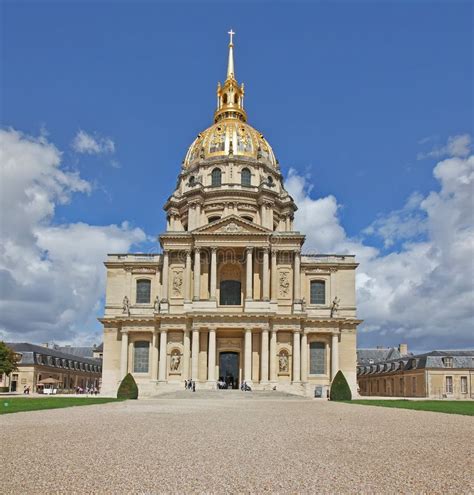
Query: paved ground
233,442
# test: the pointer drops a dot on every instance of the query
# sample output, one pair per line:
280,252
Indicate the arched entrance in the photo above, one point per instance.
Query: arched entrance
229,368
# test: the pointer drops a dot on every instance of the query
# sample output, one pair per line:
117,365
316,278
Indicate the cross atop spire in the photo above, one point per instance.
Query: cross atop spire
230,65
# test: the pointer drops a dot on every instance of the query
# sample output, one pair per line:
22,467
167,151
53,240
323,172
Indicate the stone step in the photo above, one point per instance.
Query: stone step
228,394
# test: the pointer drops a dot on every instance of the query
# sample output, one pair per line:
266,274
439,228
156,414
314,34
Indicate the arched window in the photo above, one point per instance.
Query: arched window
230,293
224,99
245,177
236,99
141,352
318,292
216,177
143,291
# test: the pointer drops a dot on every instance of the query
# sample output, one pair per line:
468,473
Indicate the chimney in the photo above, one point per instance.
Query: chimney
403,349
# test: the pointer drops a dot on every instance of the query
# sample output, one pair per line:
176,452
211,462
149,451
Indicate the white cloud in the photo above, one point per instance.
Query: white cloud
92,145
456,146
51,276
422,292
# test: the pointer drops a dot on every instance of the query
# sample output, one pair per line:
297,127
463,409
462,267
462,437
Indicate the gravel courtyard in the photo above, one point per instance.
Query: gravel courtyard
235,443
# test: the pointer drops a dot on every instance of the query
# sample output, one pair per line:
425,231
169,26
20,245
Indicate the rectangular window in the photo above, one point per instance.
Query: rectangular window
317,358
143,291
318,292
449,384
140,357
463,384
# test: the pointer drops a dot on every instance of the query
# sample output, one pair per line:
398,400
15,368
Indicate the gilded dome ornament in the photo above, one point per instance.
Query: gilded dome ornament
230,135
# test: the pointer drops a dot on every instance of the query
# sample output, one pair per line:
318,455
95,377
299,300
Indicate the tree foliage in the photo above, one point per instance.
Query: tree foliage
340,389
128,389
8,359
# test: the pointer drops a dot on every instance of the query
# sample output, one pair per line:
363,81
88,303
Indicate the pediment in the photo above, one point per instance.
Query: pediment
231,225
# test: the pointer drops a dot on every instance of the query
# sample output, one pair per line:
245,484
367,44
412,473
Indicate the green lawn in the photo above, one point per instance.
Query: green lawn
19,404
442,406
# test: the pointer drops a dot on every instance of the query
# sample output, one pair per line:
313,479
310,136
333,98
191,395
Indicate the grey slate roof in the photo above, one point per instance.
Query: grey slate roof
433,359
76,351
371,356
29,352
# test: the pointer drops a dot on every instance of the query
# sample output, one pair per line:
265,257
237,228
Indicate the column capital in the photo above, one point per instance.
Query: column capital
197,249
249,249
266,249
163,330
274,251
125,331
297,330
213,249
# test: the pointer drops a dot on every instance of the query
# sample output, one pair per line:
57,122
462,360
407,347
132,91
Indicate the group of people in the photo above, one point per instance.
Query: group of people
190,385
93,390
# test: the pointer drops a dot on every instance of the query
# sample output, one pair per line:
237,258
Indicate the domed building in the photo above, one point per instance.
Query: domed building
231,298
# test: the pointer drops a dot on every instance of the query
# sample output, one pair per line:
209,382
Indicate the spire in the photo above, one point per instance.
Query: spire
230,65
230,96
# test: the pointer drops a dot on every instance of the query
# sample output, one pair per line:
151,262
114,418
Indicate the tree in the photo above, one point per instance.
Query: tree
128,388
340,389
8,359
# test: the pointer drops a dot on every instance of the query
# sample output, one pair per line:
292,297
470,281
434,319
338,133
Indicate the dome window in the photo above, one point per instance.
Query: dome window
216,177
213,219
249,219
224,99
245,177
236,99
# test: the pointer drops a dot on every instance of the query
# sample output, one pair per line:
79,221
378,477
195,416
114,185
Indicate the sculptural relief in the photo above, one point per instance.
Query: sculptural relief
177,283
284,284
283,362
175,360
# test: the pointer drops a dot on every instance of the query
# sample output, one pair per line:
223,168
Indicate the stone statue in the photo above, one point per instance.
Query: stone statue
156,305
126,306
283,362
335,306
175,362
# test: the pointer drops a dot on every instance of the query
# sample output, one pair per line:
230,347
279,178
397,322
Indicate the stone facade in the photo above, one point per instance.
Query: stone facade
231,288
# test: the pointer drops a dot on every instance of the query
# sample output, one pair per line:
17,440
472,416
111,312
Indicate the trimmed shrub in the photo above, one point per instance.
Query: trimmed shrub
128,388
340,389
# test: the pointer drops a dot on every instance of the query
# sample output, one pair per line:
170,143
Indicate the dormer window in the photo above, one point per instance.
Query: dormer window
448,362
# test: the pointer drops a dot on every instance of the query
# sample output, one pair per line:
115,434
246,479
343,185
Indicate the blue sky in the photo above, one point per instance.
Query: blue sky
349,94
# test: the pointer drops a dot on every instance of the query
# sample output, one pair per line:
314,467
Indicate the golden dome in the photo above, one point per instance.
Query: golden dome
230,134
230,137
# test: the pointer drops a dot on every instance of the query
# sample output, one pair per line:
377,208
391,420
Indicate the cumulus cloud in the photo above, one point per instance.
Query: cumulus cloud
421,291
456,146
92,145
51,276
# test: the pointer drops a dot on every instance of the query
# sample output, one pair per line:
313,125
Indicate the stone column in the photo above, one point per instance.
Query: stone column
249,278
164,276
163,355
124,355
197,274
304,357
296,357
211,366
297,276
213,273
274,295
334,355
187,296
195,355
273,351
154,355
264,356
186,354
197,221
266,276
248,355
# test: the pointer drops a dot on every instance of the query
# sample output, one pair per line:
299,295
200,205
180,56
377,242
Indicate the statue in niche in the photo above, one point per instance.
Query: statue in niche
335,306
175,360
126,306
283,362
156,305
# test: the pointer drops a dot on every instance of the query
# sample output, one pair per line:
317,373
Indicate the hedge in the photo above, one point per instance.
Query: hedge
340,389
128,388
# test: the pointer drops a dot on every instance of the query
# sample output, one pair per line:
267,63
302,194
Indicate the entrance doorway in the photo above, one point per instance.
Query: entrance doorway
229,369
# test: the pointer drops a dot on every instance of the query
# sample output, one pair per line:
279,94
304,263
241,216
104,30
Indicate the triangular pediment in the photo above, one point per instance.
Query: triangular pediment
231,225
